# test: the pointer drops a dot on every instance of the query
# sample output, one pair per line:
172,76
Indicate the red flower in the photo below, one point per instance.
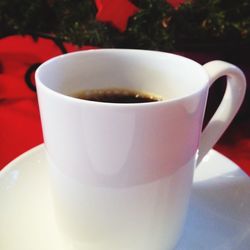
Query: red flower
176,3
117,12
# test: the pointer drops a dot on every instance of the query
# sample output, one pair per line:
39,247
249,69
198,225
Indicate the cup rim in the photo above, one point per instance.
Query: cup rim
41,85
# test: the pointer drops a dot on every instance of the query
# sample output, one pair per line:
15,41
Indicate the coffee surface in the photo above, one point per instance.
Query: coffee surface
114,95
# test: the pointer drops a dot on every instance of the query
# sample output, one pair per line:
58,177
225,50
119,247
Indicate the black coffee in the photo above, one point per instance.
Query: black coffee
114,95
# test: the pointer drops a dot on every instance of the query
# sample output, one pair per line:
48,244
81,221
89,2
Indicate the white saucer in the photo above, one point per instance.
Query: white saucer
218,218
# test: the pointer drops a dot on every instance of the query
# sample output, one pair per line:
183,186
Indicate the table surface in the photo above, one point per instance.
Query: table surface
20,126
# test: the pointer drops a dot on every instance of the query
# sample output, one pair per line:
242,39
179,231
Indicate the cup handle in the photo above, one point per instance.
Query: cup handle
229,106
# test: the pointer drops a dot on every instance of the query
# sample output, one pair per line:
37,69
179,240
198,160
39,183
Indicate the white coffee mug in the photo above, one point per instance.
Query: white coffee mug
122,173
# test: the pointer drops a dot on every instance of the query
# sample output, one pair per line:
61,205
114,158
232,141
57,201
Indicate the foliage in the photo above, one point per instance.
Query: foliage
157,25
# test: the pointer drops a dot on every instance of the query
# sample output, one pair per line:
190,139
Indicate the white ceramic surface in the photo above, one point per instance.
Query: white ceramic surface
218,216
129,166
